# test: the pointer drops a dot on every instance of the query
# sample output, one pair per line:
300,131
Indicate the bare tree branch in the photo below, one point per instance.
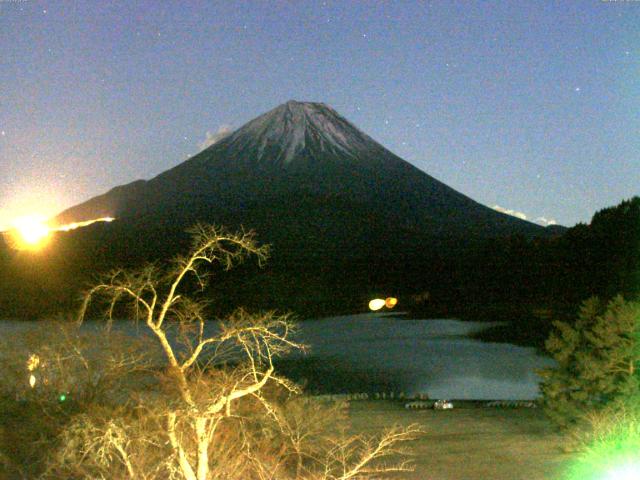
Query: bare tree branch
226,375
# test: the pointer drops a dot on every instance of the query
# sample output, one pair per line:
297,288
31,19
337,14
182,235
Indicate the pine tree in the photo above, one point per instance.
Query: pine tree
597,359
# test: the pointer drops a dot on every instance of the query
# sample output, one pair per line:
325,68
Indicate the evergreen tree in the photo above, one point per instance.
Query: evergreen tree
597,358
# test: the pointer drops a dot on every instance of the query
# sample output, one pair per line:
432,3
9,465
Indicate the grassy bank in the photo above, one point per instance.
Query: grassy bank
471,443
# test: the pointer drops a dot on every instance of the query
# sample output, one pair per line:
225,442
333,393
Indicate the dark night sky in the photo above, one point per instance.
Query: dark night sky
533,106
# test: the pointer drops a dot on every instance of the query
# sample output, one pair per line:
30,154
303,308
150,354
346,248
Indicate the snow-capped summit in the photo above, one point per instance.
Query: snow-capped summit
295,125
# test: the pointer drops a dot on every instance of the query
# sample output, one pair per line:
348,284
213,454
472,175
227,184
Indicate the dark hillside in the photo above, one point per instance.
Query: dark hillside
346,219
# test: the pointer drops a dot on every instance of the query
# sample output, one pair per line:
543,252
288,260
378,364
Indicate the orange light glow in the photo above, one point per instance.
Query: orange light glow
33,362
391,302
32,232
29,233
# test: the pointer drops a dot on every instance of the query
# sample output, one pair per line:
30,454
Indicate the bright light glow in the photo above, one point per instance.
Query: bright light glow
629,471
391,302
32,380
30,232
74,225
376,304
33,362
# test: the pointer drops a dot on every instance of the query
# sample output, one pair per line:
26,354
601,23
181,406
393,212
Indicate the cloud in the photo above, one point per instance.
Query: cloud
211,138
545,222
513,213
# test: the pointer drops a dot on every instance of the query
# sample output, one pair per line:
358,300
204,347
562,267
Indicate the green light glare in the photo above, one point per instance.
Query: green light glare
630,471
63,397
612,458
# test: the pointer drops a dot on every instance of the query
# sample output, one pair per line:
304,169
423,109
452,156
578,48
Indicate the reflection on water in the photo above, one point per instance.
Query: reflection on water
410,356
429,356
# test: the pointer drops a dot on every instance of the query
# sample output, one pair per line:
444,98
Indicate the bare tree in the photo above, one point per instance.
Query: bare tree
214,382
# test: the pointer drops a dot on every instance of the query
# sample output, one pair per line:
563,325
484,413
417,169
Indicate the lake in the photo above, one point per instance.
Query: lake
425,356
375,353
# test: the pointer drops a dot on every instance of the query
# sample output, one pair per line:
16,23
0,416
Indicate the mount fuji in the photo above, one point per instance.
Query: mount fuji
303,161
345,218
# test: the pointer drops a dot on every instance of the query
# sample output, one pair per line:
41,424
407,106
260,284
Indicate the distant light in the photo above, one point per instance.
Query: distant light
376,304
62,397
32,380
391,302
86,223
33,362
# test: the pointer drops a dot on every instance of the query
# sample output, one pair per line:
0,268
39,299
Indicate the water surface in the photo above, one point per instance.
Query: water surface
435,357
427,356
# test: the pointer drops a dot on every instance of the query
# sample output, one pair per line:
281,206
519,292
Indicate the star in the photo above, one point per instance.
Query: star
577,89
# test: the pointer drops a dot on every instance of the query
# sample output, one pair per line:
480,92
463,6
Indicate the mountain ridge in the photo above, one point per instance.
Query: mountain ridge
346,220
303,149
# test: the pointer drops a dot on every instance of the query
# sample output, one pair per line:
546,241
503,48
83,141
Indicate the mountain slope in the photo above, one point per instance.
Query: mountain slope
295,160
346,219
